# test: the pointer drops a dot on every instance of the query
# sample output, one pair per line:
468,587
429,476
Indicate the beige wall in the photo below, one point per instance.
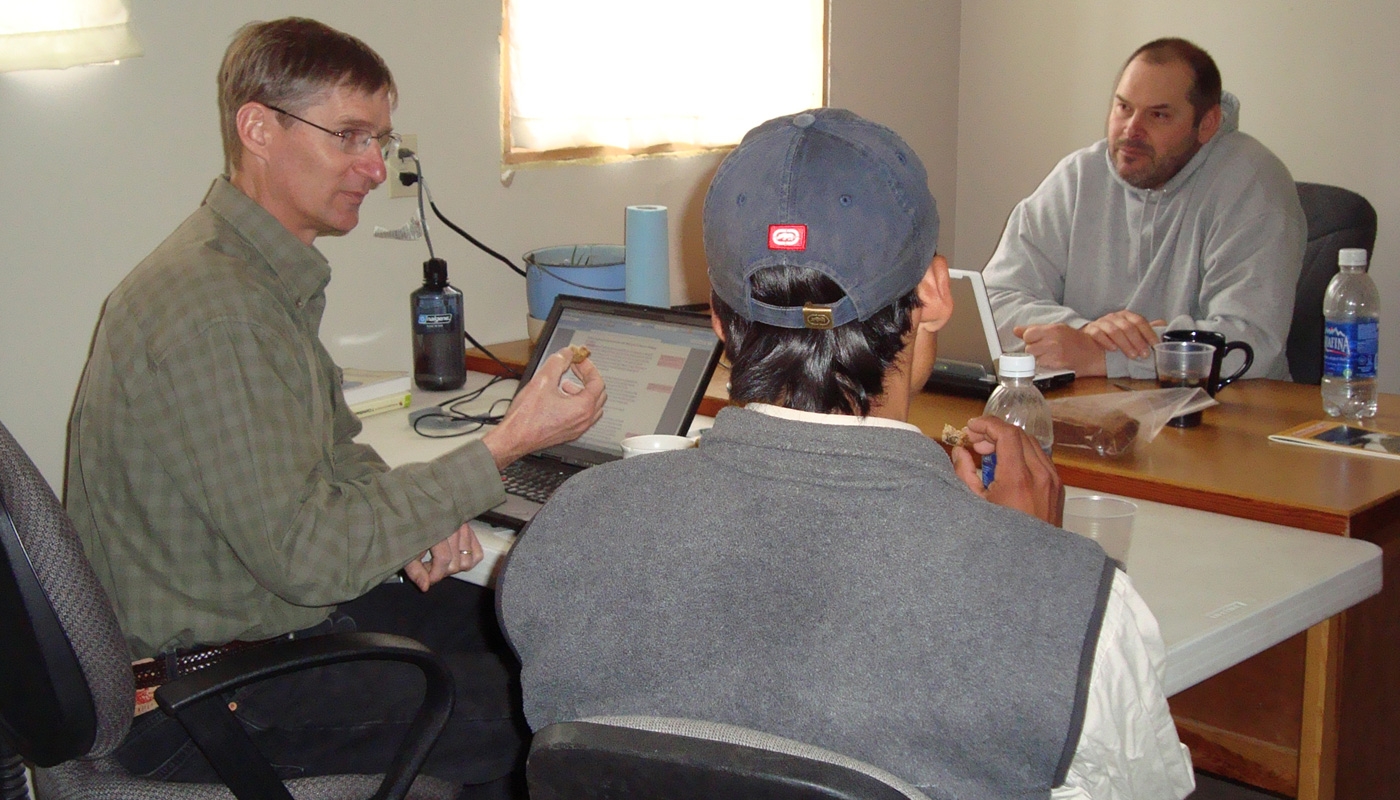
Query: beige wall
1319,84
896,61
99,164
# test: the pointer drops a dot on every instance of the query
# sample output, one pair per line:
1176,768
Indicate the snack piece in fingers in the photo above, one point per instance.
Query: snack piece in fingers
954,437
580,353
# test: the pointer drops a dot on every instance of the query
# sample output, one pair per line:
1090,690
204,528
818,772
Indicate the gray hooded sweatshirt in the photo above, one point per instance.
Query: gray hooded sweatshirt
1218,247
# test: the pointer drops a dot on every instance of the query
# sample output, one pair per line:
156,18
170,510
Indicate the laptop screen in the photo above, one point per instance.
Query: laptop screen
655,364
968,348
967,344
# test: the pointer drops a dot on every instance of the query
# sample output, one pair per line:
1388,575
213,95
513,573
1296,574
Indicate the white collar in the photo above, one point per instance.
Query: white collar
830,419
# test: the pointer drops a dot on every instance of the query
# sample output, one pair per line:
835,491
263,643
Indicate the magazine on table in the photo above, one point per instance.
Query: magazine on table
1343,437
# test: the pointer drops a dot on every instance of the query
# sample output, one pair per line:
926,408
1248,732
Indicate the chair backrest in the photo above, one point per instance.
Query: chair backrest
660,758
66,688
1337,218
65,678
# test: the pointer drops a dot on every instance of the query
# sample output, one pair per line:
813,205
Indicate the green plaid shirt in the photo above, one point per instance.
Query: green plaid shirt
212,473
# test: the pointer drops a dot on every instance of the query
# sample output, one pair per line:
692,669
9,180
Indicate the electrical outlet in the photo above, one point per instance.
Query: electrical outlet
397,166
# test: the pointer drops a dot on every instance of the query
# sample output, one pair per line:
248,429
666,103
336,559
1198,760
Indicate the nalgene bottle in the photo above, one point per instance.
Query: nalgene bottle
439,351
1018,401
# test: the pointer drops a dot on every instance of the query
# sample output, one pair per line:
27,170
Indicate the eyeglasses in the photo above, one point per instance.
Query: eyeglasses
353,141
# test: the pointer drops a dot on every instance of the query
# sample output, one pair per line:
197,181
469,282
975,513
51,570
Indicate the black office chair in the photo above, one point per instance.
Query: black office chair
1337,218
67,692
659,758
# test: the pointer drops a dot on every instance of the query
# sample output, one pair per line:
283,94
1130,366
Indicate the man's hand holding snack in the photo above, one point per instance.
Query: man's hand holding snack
1026,479
564,399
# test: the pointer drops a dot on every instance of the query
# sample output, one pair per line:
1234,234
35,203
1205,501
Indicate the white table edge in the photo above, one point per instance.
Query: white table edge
1189,660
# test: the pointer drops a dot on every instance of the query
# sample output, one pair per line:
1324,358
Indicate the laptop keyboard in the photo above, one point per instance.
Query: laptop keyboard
534,480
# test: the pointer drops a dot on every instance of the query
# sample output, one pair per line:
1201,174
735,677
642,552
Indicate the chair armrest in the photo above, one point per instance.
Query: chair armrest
198,701
575,759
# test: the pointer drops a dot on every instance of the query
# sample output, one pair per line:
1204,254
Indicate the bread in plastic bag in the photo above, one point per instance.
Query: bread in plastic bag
1111,424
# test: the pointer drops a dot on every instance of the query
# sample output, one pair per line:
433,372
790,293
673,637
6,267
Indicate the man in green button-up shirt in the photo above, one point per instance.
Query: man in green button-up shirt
213,474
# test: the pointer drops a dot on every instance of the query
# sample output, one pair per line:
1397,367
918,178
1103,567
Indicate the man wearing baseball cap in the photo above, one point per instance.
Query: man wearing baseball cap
819,569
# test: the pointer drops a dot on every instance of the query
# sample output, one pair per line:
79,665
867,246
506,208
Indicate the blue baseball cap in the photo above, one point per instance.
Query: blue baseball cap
829,191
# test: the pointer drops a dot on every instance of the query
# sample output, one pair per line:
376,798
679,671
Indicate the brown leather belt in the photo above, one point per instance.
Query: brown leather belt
169,666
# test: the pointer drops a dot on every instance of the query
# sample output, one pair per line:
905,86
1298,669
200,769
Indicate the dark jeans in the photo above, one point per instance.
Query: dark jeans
350,718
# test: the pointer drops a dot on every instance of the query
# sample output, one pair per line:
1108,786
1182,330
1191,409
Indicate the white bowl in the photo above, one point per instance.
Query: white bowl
655,443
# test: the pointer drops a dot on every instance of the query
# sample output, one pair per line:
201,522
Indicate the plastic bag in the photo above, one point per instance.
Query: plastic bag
1110,424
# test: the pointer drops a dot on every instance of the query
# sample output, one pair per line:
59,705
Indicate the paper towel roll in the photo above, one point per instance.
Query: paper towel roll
648,267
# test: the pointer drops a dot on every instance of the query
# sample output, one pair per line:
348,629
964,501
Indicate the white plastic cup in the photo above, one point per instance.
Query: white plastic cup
1106,520
655,443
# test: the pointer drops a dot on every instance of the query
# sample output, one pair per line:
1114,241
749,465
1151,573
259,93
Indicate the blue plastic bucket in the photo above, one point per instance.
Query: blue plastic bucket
586,270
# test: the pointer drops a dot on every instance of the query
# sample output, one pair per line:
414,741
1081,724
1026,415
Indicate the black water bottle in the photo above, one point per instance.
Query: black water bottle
439,353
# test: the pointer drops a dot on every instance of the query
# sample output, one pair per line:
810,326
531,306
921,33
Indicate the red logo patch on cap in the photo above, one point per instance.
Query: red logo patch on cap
787,237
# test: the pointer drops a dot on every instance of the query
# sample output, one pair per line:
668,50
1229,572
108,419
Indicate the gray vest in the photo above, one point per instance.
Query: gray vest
835,585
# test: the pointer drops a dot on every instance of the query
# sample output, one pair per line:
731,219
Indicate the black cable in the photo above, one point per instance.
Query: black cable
449,223
489,418
556,276
460,426
410,178
422,185
510,372
423,189
456,422
474,394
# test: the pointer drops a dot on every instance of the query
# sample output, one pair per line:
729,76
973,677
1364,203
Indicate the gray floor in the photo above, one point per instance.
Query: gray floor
1209,788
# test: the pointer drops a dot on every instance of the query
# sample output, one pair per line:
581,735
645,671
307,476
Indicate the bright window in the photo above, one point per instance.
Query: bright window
55,34
606,78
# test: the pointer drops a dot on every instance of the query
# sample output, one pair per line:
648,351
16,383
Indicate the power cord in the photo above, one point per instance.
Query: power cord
410,178
447,420
507,370
487,250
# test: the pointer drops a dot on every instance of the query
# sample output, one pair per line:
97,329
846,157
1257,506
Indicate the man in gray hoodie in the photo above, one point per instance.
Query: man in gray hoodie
1174,220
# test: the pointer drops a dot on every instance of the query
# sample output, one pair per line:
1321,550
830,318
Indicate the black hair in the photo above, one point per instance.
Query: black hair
839,370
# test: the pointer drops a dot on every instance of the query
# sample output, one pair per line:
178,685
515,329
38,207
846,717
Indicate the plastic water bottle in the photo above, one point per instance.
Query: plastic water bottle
1019,402
1350,333
439,351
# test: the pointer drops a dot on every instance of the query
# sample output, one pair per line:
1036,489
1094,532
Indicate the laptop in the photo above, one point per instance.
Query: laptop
968,347
656,363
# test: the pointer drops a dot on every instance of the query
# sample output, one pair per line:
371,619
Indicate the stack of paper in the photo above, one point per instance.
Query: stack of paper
372,391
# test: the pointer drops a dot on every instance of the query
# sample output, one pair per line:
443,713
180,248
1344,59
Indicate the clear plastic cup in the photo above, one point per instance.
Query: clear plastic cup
1106,520
1184,364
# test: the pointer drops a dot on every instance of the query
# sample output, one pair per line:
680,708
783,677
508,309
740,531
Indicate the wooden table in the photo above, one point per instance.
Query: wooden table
1317,716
